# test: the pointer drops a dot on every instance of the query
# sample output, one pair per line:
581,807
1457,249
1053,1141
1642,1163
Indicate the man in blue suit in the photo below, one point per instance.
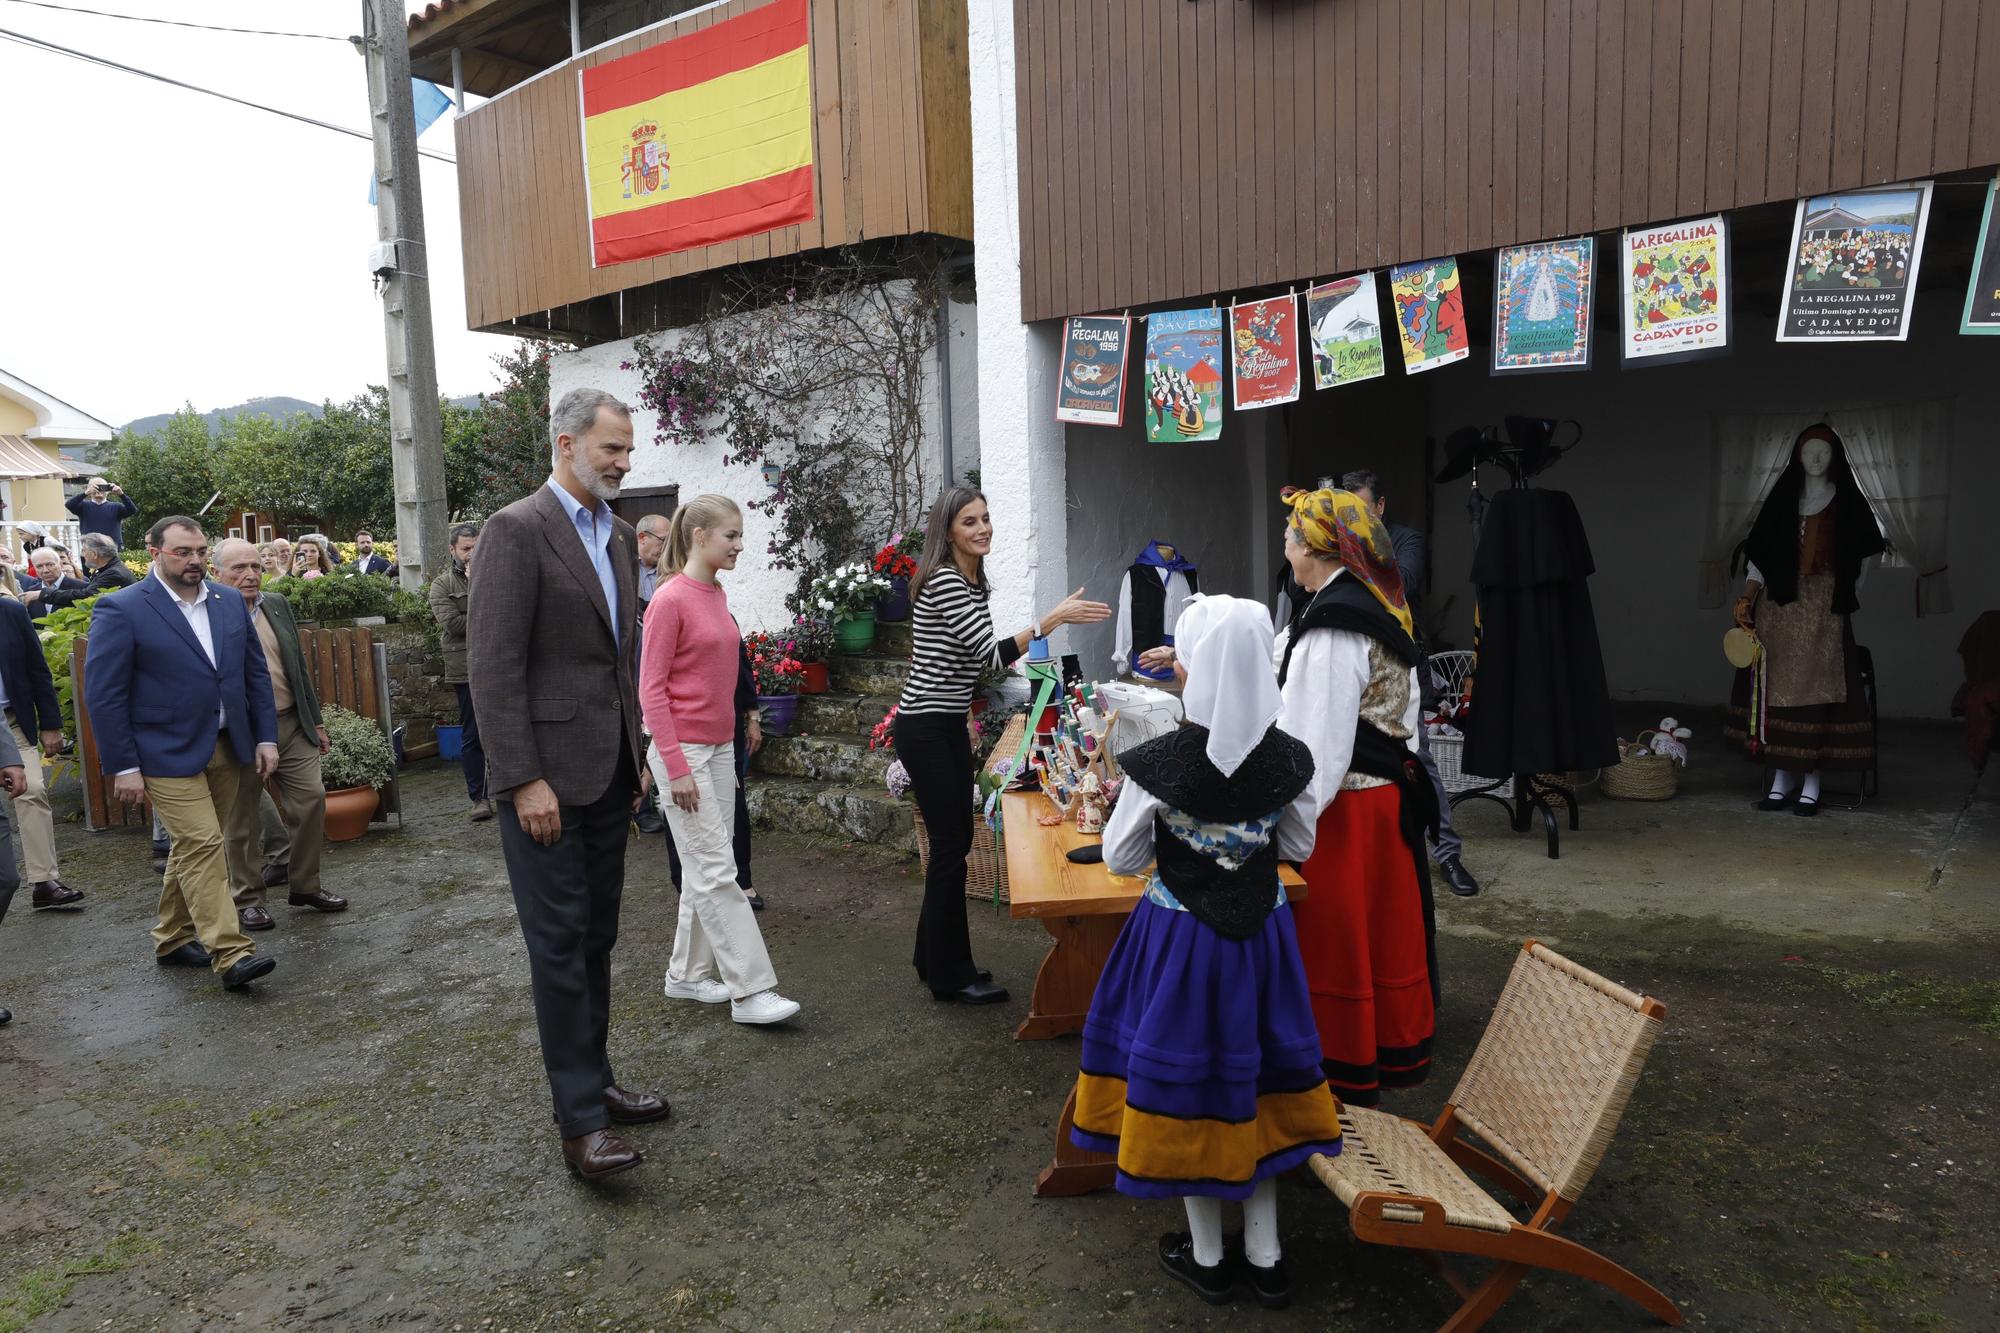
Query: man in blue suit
180,700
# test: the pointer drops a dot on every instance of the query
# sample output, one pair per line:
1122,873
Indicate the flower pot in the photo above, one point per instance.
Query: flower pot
817,679
348,811
778,710
894,608
855,631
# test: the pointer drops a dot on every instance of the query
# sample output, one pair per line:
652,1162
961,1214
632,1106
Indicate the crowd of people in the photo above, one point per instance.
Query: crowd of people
1856,256
594,661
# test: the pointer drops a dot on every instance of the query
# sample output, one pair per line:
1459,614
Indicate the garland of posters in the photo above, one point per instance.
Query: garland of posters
1541,306
1674,299
1091,389
1982,293
1854,260
1184,375
1430,314
1264,346
1345,326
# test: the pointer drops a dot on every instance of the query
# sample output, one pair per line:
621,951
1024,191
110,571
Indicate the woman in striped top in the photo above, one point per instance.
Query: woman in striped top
953,642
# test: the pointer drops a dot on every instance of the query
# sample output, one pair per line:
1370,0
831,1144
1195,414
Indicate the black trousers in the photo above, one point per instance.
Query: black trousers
471,756
741,836
937,751
567,897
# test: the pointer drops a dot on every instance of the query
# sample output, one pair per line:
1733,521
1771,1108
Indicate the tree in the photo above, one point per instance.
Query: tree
173,472
349,447
262,467
502,453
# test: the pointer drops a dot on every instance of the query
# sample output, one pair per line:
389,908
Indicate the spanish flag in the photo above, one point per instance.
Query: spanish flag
701,139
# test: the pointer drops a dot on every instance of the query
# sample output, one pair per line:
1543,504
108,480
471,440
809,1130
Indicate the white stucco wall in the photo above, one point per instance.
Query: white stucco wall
757,591
1641,482
1021,444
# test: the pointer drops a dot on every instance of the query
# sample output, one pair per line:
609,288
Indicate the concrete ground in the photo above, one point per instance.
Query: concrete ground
363,1142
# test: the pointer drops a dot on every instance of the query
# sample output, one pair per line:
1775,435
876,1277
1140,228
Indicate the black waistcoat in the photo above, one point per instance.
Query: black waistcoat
1149,605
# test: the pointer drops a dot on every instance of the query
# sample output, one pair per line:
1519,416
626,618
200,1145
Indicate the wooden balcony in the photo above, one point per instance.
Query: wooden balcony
892,156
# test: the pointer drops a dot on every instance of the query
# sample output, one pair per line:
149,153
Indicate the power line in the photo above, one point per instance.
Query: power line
176,23
37,43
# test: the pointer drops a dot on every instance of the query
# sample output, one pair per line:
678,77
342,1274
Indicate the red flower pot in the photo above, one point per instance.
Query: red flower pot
816,680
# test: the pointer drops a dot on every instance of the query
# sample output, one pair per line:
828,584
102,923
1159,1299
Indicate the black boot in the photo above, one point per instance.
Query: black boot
1214,1284
1458,877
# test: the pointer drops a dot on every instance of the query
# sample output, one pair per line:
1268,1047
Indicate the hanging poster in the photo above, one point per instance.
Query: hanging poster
1854,263
1092,389
1430,314
1344,322
1675,289
1982,294
1184,375
1264,348
1541,306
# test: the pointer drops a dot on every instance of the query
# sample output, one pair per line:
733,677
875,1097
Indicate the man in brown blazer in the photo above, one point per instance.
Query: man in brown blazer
552,625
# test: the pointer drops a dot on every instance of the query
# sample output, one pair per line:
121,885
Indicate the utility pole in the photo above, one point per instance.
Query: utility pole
416,434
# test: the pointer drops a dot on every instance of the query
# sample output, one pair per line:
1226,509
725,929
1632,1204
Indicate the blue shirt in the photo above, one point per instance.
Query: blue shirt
593,529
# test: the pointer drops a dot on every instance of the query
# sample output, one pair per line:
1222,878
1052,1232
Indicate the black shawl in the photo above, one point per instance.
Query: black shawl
1773,543
1346,604
1176,768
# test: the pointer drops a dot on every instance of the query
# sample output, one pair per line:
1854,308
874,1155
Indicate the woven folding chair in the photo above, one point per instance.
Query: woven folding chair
1545,1090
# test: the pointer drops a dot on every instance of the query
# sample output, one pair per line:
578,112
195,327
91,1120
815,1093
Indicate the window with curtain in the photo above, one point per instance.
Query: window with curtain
1901,457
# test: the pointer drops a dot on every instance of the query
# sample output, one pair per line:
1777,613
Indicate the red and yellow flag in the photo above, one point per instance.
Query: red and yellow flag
701,139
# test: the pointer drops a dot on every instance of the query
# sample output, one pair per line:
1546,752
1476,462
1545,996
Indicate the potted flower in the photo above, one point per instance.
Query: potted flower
777,673
848,595
897,562
812,644
358,762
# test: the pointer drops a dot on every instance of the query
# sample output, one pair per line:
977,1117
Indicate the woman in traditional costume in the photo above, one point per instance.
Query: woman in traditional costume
1366,926
1200,1066
1803,559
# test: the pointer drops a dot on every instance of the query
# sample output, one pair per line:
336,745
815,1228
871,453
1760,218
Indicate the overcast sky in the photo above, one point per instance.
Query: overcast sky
161,247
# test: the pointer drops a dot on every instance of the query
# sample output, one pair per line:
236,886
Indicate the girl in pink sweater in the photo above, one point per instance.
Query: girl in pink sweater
687,691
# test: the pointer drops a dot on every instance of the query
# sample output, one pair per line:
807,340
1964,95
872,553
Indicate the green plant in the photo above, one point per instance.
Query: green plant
813,638
59,633
358,754
337,596
848,591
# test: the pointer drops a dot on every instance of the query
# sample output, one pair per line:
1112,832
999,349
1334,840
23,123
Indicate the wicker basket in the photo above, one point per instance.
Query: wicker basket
1641,777
985,865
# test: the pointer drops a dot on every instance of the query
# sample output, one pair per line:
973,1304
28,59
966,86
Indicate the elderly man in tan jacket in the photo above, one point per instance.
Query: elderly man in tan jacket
298,790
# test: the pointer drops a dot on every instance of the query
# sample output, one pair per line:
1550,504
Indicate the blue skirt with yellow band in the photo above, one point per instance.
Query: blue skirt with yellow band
1201,1061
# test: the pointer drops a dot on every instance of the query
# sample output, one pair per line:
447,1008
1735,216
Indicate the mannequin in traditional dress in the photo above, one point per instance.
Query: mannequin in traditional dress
1803,559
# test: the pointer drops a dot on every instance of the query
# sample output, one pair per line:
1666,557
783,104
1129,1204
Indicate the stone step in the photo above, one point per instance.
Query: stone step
892,640
841,713
841,759
827,809
871,674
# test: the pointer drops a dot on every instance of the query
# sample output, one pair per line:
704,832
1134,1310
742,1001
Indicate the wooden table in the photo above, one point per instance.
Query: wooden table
1082,907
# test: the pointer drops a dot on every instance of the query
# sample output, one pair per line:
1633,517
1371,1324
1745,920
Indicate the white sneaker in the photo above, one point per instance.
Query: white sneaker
706,991
766,1006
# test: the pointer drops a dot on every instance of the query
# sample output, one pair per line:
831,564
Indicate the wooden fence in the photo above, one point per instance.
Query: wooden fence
346,667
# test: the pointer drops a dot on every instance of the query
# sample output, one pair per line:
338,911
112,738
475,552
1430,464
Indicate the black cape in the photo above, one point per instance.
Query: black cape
1540,703
1773,543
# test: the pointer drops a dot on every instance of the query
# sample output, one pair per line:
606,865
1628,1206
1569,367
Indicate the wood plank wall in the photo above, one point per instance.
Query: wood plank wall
891,157
1183,148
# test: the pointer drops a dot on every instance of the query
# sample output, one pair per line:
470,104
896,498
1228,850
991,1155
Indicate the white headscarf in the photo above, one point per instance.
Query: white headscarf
1224,644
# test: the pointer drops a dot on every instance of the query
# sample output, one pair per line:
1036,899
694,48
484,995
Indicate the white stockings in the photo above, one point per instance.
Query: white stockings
1260,1226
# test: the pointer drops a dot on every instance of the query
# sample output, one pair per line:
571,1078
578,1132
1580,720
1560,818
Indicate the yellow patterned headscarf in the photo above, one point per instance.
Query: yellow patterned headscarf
1340,524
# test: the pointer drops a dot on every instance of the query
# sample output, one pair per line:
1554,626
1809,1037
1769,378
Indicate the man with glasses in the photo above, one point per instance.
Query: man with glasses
180,700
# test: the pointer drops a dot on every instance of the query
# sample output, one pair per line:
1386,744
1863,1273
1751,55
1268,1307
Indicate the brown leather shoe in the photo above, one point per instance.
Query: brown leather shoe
633,1108
598,1154
481,811
53,893
319,900
254,918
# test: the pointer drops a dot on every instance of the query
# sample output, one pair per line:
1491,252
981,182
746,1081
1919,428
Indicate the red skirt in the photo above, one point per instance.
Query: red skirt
1362,936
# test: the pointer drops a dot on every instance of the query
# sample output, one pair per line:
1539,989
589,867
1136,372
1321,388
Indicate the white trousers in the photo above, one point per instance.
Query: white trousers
717,933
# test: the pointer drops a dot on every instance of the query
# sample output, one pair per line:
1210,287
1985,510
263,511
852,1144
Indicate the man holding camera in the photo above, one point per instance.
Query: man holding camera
102,508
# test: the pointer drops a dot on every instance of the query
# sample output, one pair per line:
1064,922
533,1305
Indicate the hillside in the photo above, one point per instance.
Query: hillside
279,407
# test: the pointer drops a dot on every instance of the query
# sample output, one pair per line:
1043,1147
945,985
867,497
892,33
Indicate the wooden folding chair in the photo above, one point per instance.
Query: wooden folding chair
1545,1090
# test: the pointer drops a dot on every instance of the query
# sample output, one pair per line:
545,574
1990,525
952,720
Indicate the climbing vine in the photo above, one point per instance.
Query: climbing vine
822,382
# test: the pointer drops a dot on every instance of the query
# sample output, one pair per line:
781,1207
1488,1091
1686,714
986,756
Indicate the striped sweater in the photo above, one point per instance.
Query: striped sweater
952,641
